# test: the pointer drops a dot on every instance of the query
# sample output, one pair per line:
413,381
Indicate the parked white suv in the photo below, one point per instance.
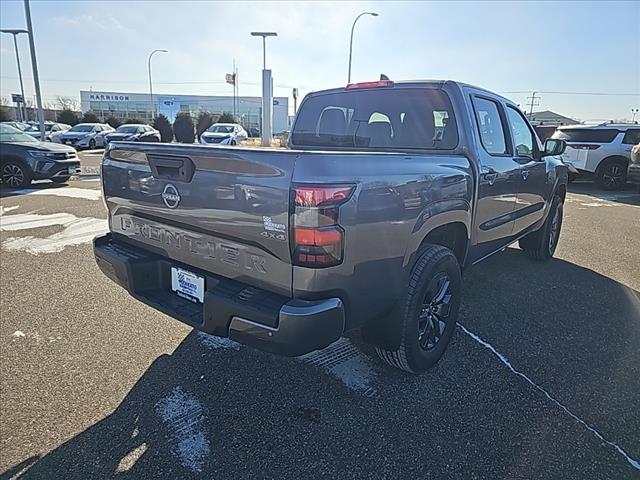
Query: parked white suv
603,150
224,134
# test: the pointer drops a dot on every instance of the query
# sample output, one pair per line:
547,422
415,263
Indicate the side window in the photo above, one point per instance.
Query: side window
522,136
632,137
490,126
97,128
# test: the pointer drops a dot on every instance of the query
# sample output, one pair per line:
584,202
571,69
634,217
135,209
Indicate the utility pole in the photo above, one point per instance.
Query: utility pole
34,67
532,103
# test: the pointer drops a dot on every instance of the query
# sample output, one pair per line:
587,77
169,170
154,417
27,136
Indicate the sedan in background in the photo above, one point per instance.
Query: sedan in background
224,134
133,133
23,159
86,135
50,128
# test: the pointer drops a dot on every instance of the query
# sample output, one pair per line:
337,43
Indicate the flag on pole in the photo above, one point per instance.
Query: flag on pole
230,78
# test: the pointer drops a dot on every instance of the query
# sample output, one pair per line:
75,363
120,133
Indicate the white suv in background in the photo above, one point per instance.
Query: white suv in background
603,150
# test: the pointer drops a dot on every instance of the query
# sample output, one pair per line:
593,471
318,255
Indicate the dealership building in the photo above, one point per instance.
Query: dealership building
123,105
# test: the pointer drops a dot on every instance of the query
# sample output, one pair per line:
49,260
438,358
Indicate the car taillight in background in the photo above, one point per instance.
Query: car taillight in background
583,146
317,239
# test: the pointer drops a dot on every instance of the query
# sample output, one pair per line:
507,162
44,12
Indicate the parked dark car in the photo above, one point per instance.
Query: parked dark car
134,133
387,191
23,159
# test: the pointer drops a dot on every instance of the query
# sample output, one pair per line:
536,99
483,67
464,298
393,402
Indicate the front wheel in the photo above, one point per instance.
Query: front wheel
429,310
92,144
15,175
542,244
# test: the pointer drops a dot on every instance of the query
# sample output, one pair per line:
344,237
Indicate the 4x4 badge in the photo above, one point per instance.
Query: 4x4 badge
170,196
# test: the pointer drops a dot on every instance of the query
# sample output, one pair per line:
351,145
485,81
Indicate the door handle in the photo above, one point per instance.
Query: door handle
490,174
525,174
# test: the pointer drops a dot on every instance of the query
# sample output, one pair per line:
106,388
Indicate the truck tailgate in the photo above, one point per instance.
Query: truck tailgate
224,210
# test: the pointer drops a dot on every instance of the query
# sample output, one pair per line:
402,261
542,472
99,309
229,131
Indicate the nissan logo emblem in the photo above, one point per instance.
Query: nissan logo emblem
170,196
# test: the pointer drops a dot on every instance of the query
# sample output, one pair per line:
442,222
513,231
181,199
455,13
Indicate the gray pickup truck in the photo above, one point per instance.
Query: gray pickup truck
387,190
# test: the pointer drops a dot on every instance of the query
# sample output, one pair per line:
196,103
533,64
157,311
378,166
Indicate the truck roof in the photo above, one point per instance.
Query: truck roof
420,83
600,126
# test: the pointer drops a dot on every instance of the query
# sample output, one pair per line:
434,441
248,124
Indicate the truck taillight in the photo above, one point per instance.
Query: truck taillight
317,239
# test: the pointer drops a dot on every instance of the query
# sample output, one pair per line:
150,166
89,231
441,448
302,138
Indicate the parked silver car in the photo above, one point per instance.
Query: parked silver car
224,134
50,128
86,135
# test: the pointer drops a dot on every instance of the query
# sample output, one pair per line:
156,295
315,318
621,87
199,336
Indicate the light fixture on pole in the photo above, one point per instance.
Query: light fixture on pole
34,68
634,112
15,32
153,108
267,91
373,14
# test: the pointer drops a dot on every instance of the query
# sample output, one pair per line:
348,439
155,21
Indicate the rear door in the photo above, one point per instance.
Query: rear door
225,211
499,175
530,199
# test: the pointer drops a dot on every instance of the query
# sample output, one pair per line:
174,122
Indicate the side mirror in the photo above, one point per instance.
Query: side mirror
553,146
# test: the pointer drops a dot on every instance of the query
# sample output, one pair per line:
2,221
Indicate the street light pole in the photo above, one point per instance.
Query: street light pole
153,107
34,67
267,91
373,14
15,32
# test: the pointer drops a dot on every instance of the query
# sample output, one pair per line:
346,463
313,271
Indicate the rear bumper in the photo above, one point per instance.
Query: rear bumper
247,314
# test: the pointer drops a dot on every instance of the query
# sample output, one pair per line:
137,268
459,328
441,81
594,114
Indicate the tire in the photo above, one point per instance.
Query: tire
233,143
611,175
542,244
434,288
92,144
15,174
60,180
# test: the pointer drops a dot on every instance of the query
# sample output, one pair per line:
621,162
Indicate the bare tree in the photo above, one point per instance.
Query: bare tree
67,103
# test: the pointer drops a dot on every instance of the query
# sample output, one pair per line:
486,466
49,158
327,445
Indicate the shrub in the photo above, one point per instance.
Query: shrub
69,117
183,128
162,124
90,117
114,122
135,121
204,121
227,117
5,114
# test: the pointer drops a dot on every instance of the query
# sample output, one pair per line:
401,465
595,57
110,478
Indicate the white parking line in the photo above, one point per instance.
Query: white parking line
187,423
633,462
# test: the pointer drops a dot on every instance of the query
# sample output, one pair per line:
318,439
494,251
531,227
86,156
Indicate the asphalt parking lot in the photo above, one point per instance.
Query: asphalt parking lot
542,378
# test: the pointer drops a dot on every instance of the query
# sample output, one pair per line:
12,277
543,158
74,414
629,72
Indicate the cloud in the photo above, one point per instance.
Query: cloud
107,22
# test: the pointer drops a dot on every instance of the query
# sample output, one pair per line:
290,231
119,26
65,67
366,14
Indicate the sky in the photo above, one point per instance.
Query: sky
513,48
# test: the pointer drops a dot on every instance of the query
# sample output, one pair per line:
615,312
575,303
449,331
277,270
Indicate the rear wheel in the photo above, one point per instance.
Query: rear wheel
92,144
611,175
15,174
429,311
542,244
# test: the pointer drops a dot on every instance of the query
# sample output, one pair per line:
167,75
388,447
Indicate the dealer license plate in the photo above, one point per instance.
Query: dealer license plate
187,285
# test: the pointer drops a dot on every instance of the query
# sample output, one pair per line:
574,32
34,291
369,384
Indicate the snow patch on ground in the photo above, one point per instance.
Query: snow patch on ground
71,192
184,416
633,462
343,360
4,210
76,231
214,343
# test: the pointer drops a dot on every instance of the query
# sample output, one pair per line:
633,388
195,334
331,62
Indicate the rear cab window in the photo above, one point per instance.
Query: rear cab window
380,118
586,135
